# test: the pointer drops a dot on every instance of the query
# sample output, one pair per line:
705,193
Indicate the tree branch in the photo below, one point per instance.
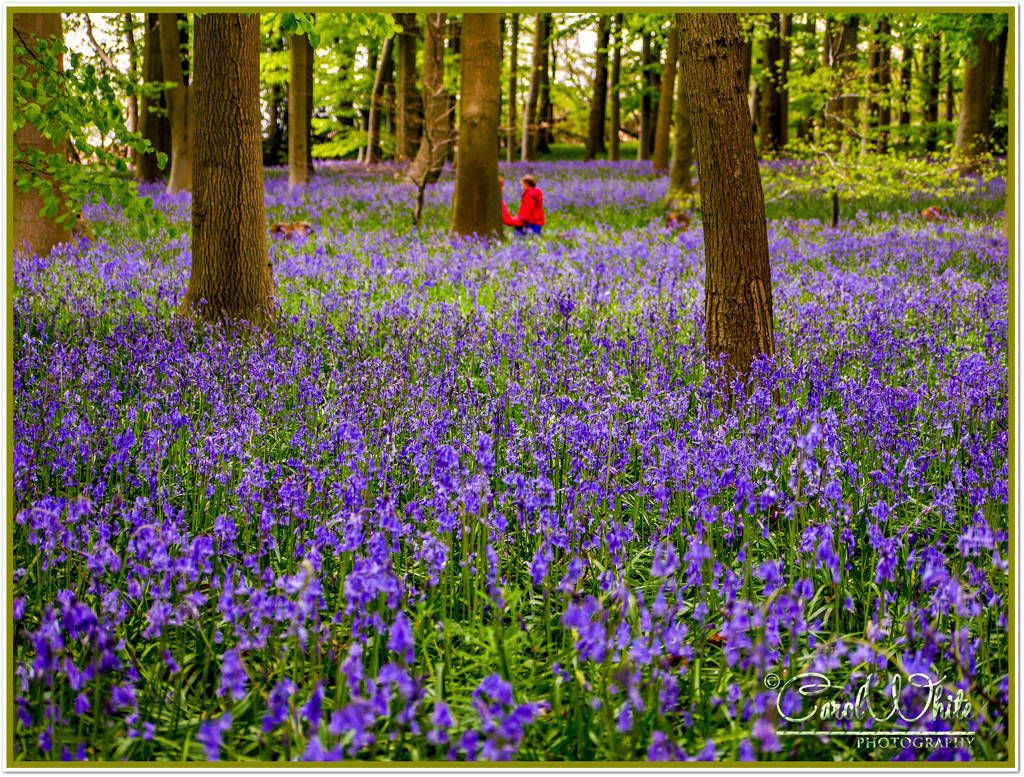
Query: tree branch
104,56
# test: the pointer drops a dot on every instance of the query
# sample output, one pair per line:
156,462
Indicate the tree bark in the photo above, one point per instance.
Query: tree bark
848,58
739,322
513,80
39,233
976,103
906,85
408,102
680,179
613,101
179,105
999,134
455,50
300,64
429,161
660,159
746,65
786,47
884,81
544,95
950,104
476,209
310,80
655,94
154,127
230,267
932,92
806,123
643,150
528,151
377,103
598,102
771,91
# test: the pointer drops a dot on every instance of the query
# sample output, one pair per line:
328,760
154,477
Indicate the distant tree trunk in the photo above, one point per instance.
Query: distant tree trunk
377,104
598,102
884,81
786,47
301,61
643,150
613,101
408,109
976,104
544,96
512,83
660,159
179,105
455,51
530,119
550,53
655,94
739,321
999,133
434,142
771,91
310,80
810,57
154,128
906,85
949,107
133,75
40,233
680,179
230,267
848,58
932,92
476,208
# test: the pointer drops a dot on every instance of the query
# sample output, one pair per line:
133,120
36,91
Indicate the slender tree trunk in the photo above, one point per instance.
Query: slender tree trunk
738,316
230,267
976,104
680,179
455,59
544,96
377,104
405,56
906,85
154,128
301,60
179,105
810,57
643,150
884,81
949,106
598,103
530,118
771,91
429,161
133,75
786,45
869,132
550,58
660,159
477,201
655,94
848,68
932,92
513,80
39,233
613,101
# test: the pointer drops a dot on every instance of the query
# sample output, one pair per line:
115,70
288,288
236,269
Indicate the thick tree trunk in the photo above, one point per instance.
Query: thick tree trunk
747,62
513,80
544,96
38,233
429,161
680,179
477,201
154,127
529,147
771,91
739,322
613,101
230,267
179,105
660,159
810,57
643,150
310,80
377,104
999,134
301,61
408,102
599,99
931,103
976,104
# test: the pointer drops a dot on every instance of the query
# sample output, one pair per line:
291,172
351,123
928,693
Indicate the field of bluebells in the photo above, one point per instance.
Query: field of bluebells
477,502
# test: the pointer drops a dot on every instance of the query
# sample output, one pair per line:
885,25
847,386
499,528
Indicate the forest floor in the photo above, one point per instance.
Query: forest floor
476,501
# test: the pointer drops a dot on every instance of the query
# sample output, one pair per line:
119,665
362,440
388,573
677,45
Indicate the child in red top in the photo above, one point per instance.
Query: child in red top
531,209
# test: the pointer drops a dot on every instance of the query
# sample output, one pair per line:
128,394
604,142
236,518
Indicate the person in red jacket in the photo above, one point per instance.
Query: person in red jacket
531,210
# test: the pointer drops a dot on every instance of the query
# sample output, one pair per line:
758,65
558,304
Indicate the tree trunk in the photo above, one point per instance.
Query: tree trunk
739,322
884,80
301,60
512,83
950,104
643,150
408,102
40,233
528,151
932,92
680,179
999,133
660,160
310,80
655,94
476,209
544,95
179,105
786,46
230,267
154,128
433,150
747,63
810,57
976,104
133,77
848,58
613,101
771,91
598,102
550,58
455,49
376,104
906,85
